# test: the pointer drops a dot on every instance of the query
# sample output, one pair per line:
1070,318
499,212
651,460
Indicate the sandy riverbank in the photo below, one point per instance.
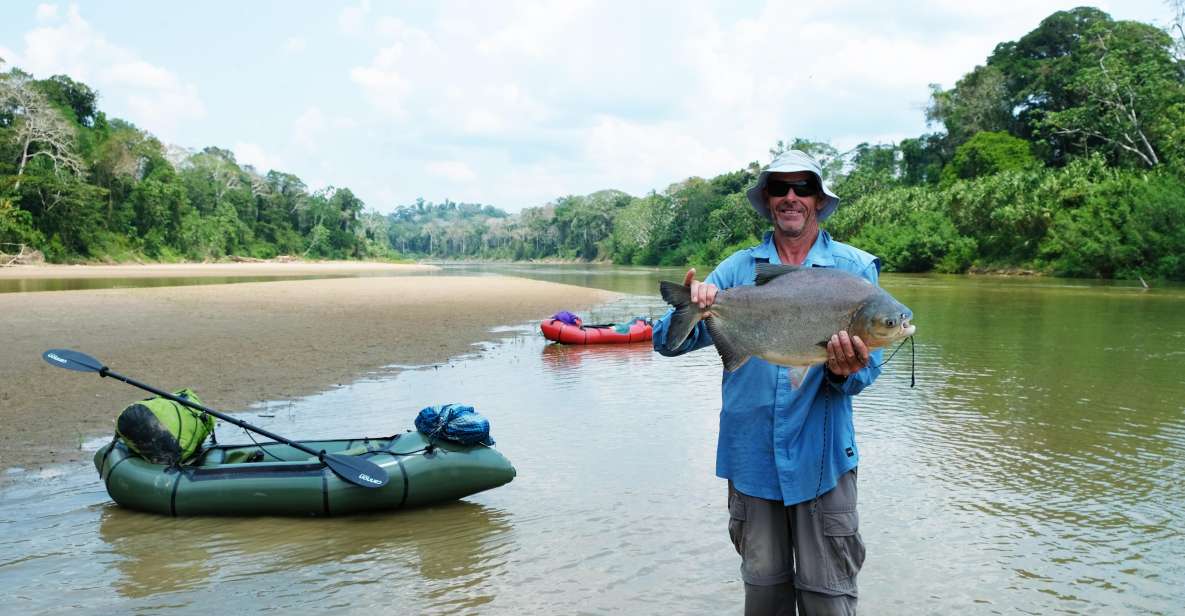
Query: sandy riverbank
236,344
171,270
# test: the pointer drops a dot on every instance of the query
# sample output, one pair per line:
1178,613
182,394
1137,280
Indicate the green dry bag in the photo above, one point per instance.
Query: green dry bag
163,431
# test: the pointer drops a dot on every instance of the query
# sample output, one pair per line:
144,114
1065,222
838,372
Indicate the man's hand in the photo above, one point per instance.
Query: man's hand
846,354
703,294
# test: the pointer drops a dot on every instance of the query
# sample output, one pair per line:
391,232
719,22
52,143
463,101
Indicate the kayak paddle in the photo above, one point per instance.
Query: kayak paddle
355,470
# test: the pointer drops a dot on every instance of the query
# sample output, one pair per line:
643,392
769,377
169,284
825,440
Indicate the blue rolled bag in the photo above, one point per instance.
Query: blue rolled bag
455,422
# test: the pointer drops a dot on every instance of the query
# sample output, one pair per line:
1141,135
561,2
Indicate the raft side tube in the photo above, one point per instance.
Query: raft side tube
422,471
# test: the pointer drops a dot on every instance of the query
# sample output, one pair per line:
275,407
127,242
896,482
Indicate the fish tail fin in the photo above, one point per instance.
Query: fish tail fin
732,355
686,315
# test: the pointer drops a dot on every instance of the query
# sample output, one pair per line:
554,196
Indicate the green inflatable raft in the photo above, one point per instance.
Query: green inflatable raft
273,478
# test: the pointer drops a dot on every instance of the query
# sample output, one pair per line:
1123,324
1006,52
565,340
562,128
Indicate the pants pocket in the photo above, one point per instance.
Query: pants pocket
736,520
841,530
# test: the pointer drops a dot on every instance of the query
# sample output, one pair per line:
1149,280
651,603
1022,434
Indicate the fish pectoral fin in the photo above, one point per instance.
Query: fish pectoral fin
822,344
768,271
732,356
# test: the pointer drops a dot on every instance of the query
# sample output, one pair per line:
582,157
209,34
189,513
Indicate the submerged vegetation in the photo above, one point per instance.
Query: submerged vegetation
1064,153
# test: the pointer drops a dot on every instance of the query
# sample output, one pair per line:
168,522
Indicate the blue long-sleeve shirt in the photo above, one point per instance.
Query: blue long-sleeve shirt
773,419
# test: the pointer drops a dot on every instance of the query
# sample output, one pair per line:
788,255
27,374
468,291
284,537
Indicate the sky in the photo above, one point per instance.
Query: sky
515,104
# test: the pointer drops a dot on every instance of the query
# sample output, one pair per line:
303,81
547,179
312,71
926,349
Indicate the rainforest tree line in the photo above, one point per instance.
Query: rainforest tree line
1063,153
78,185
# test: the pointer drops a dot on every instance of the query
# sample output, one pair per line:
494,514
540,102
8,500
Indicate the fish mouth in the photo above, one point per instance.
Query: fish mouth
907,329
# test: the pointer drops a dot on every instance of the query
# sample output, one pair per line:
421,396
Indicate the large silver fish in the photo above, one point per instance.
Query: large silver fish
789,316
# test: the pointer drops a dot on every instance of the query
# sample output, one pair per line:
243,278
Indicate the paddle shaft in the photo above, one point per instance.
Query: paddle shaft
197,407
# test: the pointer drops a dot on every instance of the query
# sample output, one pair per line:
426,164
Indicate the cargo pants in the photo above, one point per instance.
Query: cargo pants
798,555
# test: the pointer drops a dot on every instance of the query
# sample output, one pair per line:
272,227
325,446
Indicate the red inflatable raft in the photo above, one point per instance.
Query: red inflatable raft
638,330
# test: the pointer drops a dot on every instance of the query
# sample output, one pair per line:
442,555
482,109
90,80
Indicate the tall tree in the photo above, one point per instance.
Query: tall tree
1040,67
980,101
39,129
77,97
1129,102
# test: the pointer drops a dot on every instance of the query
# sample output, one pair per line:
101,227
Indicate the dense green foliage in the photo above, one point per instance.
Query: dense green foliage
1064,153
82,187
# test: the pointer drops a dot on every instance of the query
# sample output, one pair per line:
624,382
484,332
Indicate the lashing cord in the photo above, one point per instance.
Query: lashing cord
427,449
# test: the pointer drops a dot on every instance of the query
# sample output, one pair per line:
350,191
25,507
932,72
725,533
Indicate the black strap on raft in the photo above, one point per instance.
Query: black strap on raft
261,447
110,448
390,448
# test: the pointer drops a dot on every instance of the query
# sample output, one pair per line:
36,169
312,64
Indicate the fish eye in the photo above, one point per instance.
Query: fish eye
890,323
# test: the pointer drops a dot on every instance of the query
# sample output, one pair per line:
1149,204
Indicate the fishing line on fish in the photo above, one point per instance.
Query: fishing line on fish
912,360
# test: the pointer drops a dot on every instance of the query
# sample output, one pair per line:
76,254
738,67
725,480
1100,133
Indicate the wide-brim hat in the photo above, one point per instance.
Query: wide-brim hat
789,161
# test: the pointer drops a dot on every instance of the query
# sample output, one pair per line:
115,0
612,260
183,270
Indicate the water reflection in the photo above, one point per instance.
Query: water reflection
156,553
617,361
1035,468
448,554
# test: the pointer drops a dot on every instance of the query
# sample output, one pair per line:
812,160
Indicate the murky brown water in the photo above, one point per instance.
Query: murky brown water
1036,468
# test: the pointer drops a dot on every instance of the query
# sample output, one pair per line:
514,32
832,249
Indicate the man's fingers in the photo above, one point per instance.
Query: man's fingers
846,354
845,345
689,277
861,350
703,293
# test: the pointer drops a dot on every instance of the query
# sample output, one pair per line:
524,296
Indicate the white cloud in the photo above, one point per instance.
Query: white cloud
47,12
451,170
316,132
253,154
352,19
385,81
518,102
385,88
149,95
136,73
295,44
630,155
309,127
534,31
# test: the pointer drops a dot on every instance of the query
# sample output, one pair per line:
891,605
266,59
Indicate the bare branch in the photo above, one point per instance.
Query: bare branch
40,129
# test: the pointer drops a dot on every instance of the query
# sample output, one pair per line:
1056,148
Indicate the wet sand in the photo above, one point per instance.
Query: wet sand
190,270
234,344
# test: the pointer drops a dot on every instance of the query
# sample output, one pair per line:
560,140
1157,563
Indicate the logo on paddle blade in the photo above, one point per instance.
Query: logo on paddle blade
368,478
54,357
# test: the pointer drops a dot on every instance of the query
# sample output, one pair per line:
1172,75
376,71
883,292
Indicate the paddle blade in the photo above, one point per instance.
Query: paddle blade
72,360
357,471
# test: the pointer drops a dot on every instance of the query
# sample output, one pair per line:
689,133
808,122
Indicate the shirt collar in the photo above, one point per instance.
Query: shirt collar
819,255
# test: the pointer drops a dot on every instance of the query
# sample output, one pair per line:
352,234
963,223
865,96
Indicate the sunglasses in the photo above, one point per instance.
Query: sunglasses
802,188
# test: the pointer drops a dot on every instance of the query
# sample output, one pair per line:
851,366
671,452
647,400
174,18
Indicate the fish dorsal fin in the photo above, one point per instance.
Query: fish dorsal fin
732,357
768,271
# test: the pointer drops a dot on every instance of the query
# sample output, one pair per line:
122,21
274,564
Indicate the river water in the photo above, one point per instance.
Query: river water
1036,467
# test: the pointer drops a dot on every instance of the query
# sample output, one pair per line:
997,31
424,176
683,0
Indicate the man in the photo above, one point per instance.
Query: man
786,443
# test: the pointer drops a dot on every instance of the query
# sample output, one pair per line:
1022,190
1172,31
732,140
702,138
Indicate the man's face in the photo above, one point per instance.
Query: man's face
794,216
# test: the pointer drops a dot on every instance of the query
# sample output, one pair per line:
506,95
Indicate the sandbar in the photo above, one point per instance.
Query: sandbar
236,344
